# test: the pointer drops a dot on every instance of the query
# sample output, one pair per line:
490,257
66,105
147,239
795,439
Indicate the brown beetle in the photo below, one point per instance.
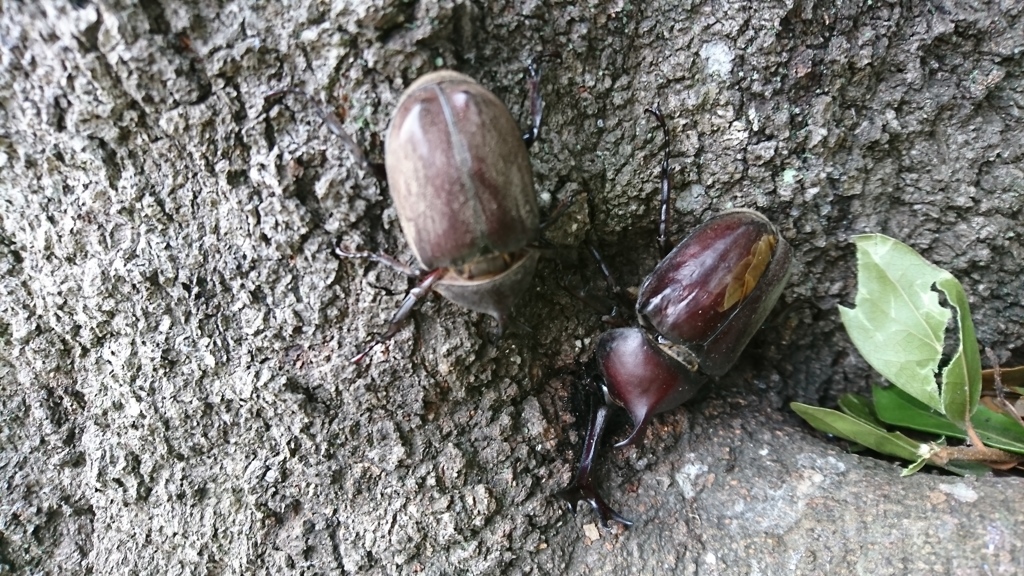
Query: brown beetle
461,181
457,167
697,310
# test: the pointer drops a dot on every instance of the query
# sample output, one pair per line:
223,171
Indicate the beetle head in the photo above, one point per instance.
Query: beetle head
642,377
493,294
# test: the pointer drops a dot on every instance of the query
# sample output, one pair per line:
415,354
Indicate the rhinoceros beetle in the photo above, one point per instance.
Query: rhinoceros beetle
696,312
458,171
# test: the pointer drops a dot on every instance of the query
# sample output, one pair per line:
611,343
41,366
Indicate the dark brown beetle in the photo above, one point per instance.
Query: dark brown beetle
459,174
697,311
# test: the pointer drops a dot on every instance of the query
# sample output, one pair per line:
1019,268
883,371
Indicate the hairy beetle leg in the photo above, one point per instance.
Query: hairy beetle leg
533,72
404,311
333,123
582,487
623,299
607,308
666,183
380,258
426,284
536,103
559,210
610,309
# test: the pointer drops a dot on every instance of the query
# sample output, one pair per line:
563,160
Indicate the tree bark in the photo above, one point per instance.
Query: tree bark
176,394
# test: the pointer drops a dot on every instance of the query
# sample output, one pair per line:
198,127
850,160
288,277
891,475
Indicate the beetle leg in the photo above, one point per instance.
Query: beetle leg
666,184
587,299
582,486
404,311
600,304
613,286
622,297
333,123
380,258
536,103
562,208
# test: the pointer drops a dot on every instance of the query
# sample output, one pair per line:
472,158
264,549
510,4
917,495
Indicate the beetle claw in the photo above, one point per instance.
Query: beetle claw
587,493
358,358
582,488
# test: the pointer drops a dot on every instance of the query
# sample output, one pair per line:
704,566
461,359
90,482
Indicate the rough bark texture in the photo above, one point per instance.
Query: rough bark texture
175,391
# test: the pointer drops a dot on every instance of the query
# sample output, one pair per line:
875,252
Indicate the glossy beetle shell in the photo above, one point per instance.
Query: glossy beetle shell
714,290
459,173
698,310
703,302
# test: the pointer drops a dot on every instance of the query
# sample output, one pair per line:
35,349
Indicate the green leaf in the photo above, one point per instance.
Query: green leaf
895,407
998,430
899,326
854,430
859,407
915,467
967,468
865,433
961,380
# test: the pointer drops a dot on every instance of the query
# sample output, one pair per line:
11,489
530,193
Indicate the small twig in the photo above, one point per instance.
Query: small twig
974,438
981,454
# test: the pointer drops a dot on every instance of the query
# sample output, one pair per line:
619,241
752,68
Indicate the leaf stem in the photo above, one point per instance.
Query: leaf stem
982,454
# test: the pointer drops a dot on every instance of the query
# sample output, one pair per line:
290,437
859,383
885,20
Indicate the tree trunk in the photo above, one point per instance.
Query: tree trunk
176,394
